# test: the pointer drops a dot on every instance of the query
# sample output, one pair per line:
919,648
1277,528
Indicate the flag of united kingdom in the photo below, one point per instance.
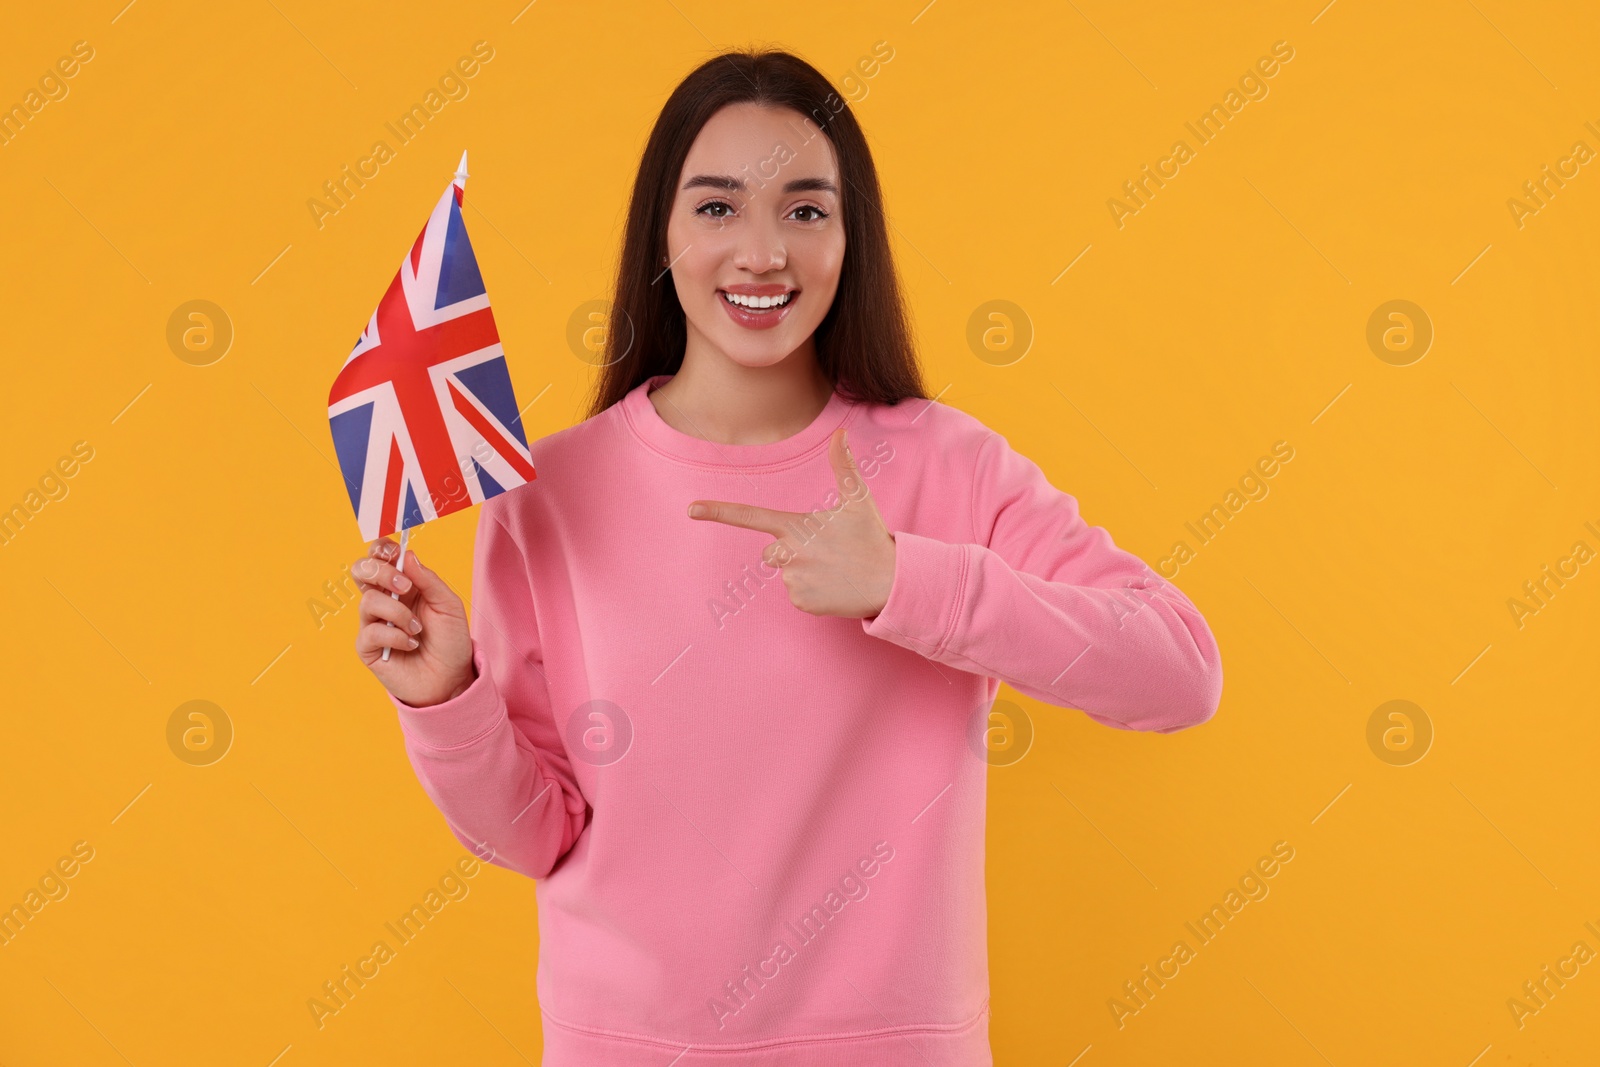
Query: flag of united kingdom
423,415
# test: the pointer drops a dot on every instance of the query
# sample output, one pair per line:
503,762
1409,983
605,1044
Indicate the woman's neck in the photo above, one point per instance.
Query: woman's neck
716,399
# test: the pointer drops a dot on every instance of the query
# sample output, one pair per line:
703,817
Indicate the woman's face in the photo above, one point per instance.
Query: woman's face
756,216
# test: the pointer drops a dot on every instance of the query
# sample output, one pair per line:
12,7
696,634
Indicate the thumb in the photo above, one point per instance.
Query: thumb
431,588
848,476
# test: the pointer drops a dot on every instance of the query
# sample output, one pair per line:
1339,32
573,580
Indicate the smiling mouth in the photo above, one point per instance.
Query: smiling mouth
758,304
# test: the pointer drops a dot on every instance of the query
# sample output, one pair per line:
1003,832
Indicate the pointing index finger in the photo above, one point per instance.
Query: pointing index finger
747,516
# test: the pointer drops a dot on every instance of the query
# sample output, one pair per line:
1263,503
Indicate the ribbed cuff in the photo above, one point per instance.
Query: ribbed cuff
459,721
930,580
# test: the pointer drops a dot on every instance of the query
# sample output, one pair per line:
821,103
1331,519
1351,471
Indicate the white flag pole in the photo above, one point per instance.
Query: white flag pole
405,536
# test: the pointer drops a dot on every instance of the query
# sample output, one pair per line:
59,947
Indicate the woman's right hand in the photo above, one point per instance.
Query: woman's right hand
431,661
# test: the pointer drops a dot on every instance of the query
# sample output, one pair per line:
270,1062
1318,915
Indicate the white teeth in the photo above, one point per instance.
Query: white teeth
758,301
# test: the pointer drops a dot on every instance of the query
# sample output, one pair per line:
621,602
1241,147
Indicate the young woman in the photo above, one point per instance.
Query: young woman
725,691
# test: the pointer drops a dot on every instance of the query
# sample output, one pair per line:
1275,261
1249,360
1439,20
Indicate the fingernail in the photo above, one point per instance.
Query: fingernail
401,582
416,626
413,644
696,510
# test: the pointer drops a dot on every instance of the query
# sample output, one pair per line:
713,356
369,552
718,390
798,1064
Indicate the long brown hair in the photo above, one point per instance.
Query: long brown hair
863,343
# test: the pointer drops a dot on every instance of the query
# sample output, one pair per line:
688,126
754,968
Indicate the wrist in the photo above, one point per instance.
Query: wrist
472,676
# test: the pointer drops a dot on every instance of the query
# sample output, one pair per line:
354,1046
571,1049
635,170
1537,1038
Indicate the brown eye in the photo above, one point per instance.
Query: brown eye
705,209
820,214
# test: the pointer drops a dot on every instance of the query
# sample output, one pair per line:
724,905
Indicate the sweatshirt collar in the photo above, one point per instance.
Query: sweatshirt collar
642,417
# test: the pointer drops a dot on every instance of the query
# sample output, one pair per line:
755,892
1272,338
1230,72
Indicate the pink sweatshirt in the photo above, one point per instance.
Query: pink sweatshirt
758,833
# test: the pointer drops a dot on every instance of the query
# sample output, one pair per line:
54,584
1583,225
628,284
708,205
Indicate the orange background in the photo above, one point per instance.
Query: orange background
1167,355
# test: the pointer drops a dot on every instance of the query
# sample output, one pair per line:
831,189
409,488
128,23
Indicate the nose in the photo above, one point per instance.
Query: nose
761,247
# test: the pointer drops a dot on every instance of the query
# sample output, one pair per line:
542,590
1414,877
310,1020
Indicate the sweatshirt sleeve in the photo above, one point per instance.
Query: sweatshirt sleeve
1051,607
491,758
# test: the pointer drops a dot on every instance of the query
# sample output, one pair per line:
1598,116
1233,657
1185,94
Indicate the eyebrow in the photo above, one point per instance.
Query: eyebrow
794,185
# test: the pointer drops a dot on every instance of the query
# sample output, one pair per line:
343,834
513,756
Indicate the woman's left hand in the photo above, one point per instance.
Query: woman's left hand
847,567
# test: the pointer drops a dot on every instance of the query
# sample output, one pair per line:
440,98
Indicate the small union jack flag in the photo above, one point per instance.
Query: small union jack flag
423,415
